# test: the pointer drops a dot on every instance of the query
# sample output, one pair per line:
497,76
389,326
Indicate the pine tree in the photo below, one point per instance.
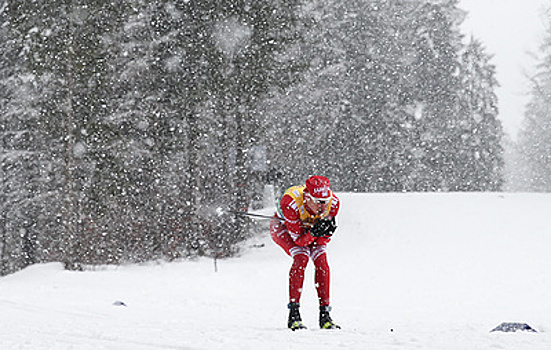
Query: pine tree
534,139
62,58
24,169
479,132
379,109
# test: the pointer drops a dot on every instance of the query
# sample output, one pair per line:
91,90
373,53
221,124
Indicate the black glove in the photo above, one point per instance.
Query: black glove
323,228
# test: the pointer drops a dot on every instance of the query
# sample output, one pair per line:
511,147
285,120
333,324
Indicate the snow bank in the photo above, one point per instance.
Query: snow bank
426,271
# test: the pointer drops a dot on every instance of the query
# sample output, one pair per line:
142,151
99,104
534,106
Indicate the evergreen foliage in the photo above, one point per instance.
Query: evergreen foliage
126,124
534,140
387,104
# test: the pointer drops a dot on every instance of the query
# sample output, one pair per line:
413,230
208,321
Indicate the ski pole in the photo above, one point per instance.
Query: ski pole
259,216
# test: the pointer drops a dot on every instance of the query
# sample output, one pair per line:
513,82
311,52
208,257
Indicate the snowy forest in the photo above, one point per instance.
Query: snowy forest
127,125
528,166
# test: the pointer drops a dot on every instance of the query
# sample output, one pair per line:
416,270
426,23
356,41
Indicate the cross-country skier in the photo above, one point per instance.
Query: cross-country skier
303,226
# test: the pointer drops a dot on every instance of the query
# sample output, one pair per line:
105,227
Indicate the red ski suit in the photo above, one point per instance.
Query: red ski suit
294,237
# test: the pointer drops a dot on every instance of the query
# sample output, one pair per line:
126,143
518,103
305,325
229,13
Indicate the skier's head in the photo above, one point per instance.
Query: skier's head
317,193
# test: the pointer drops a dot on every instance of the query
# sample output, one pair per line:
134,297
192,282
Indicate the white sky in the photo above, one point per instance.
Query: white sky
510,30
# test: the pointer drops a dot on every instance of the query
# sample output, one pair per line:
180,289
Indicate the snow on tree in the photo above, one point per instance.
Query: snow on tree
126,124
534,139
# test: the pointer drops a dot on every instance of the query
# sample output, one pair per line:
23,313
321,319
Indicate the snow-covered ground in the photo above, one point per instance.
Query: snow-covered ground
409,271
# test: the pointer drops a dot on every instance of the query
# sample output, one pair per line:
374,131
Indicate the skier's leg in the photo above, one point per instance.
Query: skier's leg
296,274
322,274
281,236
296,281
300,257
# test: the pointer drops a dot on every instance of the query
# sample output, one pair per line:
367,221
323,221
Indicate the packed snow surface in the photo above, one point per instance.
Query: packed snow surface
409,271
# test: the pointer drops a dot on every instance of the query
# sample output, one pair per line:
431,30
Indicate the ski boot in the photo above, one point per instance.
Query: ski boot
325,319
295,322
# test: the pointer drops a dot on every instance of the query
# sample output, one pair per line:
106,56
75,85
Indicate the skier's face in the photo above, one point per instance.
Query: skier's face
316,206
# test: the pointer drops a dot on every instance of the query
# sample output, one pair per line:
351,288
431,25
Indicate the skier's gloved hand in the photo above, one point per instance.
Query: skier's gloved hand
324,228
331,227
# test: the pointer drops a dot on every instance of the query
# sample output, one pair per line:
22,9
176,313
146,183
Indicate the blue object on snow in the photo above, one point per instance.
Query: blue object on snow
513,327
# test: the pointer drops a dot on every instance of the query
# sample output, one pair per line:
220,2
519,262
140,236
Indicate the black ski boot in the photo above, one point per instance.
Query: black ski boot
295,322
325,319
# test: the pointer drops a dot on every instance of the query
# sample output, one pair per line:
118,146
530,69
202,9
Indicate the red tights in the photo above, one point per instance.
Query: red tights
321,277
301,256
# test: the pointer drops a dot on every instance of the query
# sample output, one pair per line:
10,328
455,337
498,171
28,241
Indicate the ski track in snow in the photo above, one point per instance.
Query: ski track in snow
409,271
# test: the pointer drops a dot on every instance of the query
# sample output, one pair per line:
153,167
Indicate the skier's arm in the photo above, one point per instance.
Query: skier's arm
305,239
294,225
335,205
323,240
